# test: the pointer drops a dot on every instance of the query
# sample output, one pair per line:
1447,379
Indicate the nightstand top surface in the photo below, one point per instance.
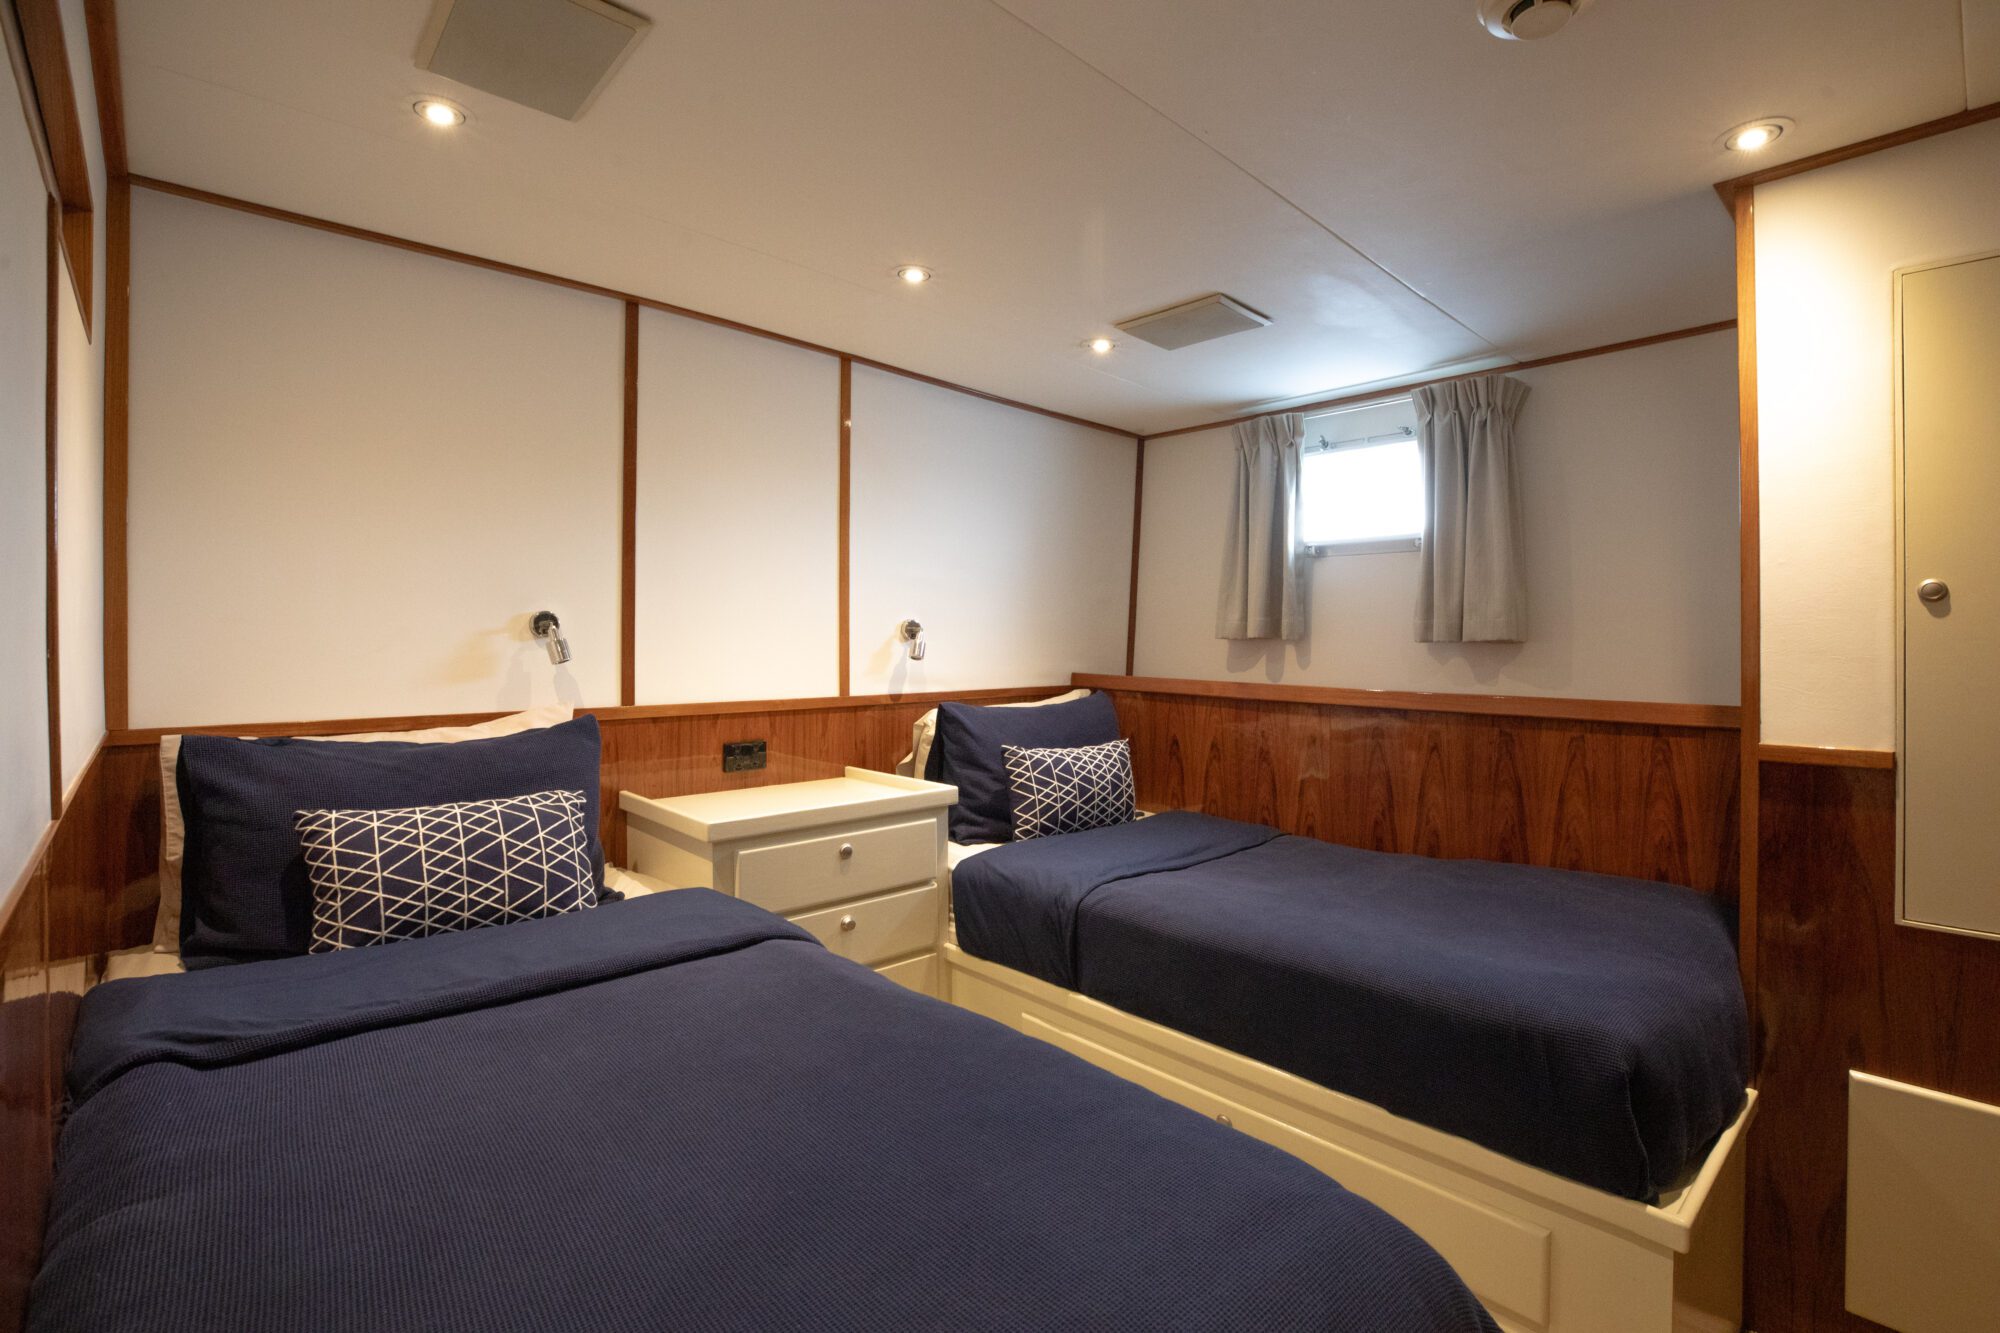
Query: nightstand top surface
740,812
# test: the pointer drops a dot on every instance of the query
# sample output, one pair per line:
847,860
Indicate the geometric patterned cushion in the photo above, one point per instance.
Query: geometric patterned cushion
385,875
1070,790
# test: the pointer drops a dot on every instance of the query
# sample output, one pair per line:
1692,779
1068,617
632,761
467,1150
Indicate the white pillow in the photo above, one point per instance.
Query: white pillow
173,828
926,727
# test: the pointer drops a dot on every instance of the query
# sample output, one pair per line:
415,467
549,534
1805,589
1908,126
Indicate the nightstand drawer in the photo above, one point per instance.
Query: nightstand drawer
878,928
792,876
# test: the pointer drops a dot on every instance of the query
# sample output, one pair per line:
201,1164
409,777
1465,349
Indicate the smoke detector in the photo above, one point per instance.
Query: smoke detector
1526,20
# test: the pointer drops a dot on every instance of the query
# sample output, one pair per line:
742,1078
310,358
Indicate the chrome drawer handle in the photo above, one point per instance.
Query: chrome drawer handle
847,923
846,851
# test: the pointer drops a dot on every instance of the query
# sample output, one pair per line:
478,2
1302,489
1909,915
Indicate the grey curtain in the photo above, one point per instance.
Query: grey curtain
1473,584
1263,567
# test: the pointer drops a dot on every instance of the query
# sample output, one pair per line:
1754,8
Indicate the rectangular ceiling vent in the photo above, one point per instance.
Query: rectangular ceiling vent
1196,321
552,55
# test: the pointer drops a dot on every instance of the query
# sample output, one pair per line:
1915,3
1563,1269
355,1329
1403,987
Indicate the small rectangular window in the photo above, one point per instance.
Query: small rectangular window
1361,493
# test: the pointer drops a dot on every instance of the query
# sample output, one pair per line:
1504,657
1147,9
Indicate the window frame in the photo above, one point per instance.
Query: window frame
1359,545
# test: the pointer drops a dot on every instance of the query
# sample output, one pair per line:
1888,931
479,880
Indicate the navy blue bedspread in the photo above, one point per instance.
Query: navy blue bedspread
676,1112
1585,1024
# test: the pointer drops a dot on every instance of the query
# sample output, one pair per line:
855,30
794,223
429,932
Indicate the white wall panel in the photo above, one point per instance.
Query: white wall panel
356,472
1628,475
1008,534
24,736
80,531
80,450
738,515
1828,242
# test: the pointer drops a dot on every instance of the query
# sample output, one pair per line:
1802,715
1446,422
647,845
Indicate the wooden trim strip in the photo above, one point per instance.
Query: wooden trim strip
1705,716
100,18
132,736
1138,514
47,54
52,590
1750,602
117,450
1737,185
1826,756
628,542
593,289
843,565
1400,390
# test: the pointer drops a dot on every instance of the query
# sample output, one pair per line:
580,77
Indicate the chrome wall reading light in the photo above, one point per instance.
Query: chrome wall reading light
913,634
548,629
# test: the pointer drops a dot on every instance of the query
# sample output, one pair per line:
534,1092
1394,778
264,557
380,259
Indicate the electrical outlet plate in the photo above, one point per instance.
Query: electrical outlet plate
742,756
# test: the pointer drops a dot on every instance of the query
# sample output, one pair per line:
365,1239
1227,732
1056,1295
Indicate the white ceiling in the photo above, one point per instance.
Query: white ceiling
1399,191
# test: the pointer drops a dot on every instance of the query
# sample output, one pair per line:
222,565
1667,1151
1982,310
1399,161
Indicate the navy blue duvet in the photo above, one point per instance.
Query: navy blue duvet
1588,1025
676,1112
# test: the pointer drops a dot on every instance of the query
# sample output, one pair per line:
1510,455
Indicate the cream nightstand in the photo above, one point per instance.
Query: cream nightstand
859,861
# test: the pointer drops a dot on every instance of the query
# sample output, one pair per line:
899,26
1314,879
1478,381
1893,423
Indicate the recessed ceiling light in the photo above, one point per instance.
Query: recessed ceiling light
1758,134
1100,345
436,111
914,274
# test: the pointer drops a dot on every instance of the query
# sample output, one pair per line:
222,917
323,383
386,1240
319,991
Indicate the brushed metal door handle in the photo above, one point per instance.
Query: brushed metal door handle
1933,590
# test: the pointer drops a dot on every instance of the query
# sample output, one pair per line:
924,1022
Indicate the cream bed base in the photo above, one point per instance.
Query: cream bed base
1546,1255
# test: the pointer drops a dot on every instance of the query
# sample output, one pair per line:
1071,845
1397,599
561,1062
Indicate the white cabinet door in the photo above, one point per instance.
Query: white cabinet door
1950,586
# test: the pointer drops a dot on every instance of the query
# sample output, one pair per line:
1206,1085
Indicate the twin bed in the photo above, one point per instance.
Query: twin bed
669,1111
1543,1072
679,1111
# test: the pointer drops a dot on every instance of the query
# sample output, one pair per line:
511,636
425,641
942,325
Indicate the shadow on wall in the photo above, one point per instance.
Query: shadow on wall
511,653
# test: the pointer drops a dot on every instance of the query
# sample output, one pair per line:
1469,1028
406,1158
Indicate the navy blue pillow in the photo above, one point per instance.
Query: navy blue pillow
967,751
245,893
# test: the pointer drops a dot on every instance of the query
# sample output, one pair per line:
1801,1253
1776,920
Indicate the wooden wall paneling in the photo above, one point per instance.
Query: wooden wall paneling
1842,986
104,856
1647,801
27,1092
1749,572
843,562
47,54
628,508
1138,516
51,448
1403,390
1484,705
117,425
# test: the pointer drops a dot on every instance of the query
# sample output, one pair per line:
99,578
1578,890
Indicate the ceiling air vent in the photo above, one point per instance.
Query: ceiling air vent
1194,322
552,55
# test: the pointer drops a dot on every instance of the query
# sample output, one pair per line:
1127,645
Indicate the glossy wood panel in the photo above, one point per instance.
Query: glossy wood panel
26,1095
1500,705
1842,986
1625,799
